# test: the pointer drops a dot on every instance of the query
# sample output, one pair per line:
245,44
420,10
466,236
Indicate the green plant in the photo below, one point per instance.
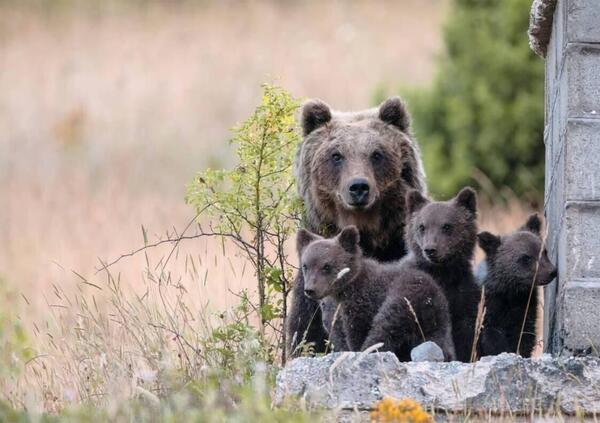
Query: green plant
482,120
255,205
15,349
111,353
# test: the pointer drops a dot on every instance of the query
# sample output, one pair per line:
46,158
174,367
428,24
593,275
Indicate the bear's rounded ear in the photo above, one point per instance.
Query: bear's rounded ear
315,114
349,238
415,201
533,224
489,242
393,111
467,198
303,238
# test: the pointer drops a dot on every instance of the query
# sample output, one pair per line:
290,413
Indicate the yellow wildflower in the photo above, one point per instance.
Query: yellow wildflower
390,410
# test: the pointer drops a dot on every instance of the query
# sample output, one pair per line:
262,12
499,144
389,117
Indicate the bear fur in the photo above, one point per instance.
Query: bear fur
442,237
374,298
352,169
515,262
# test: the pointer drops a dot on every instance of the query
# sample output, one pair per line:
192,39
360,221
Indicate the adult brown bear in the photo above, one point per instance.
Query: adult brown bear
352,169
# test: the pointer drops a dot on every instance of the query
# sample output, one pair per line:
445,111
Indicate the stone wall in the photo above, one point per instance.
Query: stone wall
572,192
505,385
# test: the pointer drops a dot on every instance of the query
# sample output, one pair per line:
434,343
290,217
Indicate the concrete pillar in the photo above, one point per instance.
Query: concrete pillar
567,34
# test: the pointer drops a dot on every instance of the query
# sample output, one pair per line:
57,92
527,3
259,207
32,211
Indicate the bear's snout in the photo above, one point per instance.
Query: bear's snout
547,275
358,190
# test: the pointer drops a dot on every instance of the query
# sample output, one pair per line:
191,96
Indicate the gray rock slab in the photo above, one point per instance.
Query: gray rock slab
501,384
427,351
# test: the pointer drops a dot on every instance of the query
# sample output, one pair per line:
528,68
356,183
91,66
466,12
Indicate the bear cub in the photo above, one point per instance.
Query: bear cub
514,263
378,302
442,236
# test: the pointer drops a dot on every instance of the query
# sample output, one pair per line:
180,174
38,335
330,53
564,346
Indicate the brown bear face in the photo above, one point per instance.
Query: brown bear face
519,259
442,232
355,165
328,265
352,165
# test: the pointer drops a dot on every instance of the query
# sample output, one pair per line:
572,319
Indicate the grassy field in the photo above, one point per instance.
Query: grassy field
106,112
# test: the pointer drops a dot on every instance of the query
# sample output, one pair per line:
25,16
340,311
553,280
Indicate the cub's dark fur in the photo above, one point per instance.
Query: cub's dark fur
374,297
441,237
514,263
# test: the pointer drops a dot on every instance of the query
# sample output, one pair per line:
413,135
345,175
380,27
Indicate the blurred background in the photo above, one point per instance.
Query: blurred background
108,108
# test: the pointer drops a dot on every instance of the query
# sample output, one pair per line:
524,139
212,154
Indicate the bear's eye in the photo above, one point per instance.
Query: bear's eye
304,268
376,156
421,228
337,158
525,260
327,268
447,228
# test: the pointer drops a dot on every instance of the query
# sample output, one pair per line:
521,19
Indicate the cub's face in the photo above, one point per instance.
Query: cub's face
327,264
442,232
519,257
523,255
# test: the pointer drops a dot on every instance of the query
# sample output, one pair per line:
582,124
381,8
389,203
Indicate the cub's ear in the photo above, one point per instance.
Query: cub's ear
415,201
303,238
315,114
349,238
488,242
467,198
393,111
533,224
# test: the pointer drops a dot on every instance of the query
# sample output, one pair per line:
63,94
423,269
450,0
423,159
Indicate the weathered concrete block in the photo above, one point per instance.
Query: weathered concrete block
558,34
555,136
572,189
504,384
582,21
583,67
550,294
554,205
582,165
582,241
579,329
560,110
550,80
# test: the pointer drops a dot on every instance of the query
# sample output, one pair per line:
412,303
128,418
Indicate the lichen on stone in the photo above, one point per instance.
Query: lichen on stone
540,25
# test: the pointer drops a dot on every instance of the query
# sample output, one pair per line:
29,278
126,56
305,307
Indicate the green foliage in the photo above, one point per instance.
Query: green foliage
15,350
255,205
250,402
483,117
124,356
235,346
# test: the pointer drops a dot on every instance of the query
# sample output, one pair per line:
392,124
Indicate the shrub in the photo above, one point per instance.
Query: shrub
255,204
482,119
110,353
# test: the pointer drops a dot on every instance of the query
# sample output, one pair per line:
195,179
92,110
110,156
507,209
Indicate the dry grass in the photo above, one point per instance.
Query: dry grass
105,115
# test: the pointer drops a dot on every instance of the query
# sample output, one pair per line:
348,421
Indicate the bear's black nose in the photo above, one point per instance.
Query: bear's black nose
431,253
553,275
359,191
